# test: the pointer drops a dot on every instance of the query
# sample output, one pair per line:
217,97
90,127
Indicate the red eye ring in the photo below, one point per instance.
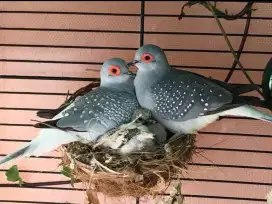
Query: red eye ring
147,57
114,70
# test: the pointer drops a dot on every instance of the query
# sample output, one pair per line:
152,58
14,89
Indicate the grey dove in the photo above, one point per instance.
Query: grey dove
89,116
182,101
51,113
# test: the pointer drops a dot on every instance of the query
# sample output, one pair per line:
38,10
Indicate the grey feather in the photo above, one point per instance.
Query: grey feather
104,106
14,155
183,96
109,106
184,101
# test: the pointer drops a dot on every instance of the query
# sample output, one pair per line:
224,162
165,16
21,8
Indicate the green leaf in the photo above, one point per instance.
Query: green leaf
66,171
12,175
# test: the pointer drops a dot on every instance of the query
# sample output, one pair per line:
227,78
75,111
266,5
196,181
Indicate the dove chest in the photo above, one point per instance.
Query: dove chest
107,105
144,95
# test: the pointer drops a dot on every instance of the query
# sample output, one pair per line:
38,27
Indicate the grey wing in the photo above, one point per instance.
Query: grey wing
99,111
183,95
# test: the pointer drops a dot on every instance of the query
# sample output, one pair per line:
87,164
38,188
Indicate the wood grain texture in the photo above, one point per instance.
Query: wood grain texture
43,195
69,38
202,25
62,21
79,6
224,189
48,48
172,7
207,42
194,199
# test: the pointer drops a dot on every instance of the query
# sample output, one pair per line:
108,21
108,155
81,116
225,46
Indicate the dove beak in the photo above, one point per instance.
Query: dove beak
132,63
132,68
132,74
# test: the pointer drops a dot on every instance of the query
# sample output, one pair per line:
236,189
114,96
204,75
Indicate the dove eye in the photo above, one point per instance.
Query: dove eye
147,57
114,70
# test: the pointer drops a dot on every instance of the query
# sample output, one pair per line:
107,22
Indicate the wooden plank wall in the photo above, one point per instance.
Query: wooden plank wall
47,47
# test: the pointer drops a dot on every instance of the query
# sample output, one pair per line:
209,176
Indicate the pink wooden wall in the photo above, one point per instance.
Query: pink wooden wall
47,47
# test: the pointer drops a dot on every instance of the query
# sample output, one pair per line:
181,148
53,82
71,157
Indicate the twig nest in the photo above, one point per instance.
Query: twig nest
133,160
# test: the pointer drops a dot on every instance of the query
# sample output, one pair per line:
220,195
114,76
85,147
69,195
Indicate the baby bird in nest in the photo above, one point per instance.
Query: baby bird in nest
143,134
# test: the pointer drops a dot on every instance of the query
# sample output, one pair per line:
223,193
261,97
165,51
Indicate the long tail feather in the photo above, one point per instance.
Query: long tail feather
248,111
237,89
47,124
240,101
49,113
266,81
250,100
47,141
54,113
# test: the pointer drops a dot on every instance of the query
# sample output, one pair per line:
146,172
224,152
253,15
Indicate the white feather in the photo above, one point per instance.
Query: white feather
194,125
247,111
50,139
46,141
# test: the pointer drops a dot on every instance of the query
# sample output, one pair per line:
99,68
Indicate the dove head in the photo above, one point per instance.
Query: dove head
153,66
115,74
150,59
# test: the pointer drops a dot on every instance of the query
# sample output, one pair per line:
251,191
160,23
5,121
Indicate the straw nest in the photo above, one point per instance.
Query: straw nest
134,174
117,171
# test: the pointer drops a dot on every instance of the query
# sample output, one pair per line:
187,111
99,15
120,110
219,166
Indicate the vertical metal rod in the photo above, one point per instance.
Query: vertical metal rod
142,23
141,44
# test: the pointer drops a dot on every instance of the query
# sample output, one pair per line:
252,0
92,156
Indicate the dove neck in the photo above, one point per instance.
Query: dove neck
127,87
151,77
144,82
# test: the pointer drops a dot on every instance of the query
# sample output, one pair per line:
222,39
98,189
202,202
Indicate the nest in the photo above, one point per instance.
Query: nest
135,174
